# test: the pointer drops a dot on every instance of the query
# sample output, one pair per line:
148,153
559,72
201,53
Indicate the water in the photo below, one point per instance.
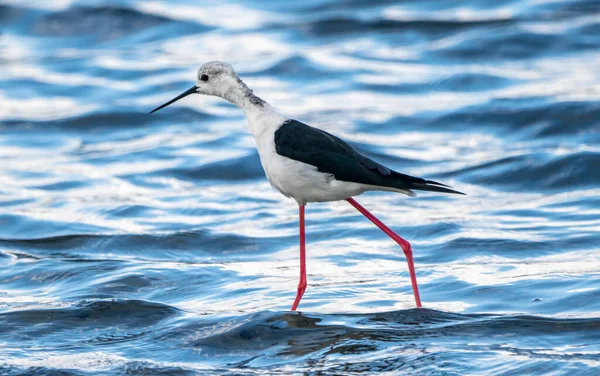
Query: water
142,244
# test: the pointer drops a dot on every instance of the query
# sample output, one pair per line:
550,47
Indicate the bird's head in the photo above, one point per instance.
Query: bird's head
214,78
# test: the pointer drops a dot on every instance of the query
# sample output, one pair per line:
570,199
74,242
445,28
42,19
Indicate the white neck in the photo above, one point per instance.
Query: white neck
261,116
241,95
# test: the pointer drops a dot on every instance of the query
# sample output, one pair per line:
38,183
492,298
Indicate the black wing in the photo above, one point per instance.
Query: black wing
330,154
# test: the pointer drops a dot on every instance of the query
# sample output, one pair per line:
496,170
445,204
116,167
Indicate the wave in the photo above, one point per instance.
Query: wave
433,28
270,340
9,13
95,121
531,118
108,21
264,337
295,67
105,23
197,242
100,312
235,169
542,172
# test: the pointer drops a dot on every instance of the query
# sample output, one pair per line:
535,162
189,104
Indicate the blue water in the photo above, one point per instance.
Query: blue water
153,244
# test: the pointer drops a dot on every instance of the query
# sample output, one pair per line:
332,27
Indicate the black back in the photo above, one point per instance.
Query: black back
332,155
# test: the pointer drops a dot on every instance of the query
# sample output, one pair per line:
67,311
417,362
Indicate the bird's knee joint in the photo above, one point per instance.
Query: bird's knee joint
407,248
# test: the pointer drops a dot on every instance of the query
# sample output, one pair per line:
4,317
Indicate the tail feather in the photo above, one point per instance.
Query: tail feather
420,184
429,186
436,183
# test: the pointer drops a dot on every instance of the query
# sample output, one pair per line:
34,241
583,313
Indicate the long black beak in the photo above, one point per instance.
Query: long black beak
189,91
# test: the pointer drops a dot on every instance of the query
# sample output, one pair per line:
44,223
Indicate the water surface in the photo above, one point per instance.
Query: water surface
142,244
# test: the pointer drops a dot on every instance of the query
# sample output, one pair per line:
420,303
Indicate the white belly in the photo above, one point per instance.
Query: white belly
301,181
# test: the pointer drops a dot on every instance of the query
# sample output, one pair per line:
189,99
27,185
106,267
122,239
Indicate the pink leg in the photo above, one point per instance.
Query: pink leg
302,283
401,242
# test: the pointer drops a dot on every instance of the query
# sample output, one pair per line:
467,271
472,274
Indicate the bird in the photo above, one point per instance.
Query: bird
309,164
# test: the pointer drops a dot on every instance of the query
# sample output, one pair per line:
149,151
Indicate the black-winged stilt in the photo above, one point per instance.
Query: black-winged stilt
309,164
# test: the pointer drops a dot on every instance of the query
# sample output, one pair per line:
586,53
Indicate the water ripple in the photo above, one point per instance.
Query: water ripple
138,244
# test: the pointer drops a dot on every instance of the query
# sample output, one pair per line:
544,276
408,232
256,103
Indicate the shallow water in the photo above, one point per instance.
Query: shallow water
142,244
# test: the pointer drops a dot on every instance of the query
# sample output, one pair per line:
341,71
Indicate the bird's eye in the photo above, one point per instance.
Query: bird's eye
204,77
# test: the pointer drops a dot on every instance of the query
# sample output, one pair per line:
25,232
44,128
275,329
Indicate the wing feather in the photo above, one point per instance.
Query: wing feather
332,155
